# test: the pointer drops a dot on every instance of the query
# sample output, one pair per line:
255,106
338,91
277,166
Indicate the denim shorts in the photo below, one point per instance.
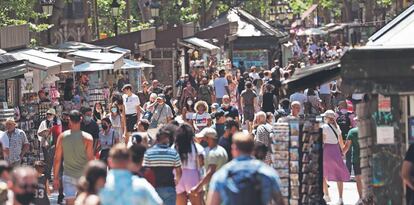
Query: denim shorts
167,194
69,186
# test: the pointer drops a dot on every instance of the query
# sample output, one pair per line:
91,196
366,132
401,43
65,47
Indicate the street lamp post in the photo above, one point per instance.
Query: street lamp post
155,10
47,8
115,12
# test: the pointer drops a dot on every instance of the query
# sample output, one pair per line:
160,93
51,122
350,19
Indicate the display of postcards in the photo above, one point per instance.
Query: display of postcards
280,155
294,180
280,137
284,191
305,147
294,193
294,167
283,173
294,141
279,164
294,154
294,201
305,158
279,146
294,128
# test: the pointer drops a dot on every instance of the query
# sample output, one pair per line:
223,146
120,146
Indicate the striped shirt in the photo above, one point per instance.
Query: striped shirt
162,159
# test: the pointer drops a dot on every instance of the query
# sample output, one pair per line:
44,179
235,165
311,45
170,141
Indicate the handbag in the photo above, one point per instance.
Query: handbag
154,123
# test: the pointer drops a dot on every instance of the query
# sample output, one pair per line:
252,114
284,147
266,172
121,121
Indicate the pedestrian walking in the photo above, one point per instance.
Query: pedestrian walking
201,119
144,93
48,131
14,143
108,137
163,160
122,187
205,92
191,155
248,104
189,92
269,99
162,113
137,151
22,184
117,121
225,141
76,147
221,86
42,191
263,134
345,121
352,147
334,168
301,98
232,111
244,180
219,118
132,109
215,158
91,182
98,112
155,87
89,126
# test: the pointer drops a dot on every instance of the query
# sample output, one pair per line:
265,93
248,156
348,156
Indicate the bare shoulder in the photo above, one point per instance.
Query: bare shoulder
87,136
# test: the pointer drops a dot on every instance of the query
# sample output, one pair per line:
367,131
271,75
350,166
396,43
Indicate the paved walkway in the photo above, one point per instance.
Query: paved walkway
350,193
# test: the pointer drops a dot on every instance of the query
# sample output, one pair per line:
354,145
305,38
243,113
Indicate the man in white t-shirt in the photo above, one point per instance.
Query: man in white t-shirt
325,95
221,87
254,75
131,103
300,97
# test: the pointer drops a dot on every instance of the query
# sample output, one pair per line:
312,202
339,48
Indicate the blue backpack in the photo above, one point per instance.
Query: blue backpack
244,186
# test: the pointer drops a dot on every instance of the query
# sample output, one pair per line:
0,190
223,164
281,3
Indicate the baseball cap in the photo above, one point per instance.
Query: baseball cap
51,111
218,114
215,106
329,113
207,132
126,86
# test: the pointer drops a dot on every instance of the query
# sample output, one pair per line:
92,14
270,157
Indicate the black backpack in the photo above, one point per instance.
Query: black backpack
243,186
344,122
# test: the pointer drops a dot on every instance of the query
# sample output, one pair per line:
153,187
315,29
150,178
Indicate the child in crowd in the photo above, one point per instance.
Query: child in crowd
42,190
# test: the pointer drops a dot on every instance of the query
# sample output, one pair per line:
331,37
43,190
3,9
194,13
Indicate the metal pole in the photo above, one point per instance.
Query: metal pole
115,26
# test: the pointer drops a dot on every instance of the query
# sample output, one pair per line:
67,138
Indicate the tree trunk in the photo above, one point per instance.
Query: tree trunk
128,15
209,14
369,10
86,23
347,17
145,13
55,20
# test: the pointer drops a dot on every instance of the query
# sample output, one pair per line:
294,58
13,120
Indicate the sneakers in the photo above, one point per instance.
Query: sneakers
340,202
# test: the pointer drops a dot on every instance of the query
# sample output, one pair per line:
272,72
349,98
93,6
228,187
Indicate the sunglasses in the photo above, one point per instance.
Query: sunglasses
48,114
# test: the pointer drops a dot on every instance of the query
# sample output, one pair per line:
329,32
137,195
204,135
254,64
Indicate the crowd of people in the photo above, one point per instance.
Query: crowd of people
174,145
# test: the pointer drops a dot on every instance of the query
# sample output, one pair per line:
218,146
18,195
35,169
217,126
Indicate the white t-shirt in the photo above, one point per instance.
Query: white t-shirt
254,76
325,89
131,103
330,135
300,97
201,121
219,87
189,115
191,162
4,140
357,96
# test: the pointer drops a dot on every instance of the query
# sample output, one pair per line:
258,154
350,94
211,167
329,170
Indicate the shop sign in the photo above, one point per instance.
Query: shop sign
258,58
